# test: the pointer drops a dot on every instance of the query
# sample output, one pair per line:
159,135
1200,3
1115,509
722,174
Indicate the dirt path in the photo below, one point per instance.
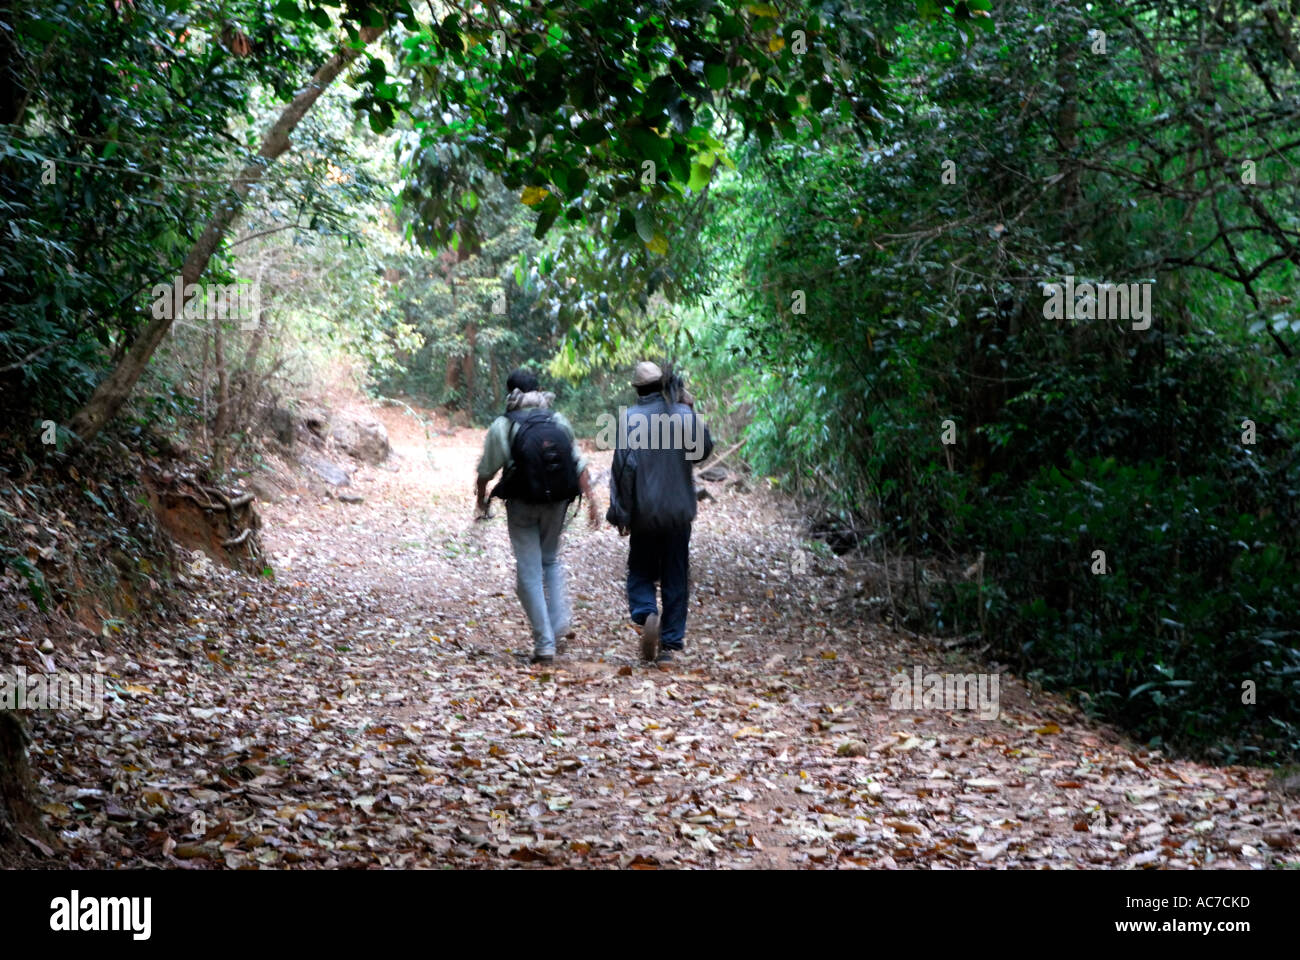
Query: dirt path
371,707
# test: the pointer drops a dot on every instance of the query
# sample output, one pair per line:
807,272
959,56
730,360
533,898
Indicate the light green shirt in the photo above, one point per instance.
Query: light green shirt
496,447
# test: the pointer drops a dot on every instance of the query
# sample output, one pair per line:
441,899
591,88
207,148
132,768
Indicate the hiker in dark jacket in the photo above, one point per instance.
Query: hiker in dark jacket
652,501
535,512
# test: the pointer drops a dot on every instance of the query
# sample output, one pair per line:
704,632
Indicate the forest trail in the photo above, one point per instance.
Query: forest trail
372,707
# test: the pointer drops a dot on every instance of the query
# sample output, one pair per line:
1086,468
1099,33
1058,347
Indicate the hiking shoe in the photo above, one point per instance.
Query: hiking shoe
562,640
543,658
666,655
650,638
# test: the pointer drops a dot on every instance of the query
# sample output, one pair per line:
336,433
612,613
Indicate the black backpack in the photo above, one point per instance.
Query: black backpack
543,470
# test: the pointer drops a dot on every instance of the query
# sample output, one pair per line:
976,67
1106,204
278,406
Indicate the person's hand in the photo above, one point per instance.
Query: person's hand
623,531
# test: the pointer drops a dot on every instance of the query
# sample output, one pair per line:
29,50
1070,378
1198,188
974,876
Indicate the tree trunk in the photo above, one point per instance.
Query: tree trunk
114,390
467,365
221,422
1067,134
451,378
203,391
454,365
246,377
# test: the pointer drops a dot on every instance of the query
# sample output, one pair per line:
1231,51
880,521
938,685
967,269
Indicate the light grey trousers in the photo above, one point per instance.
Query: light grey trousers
535,530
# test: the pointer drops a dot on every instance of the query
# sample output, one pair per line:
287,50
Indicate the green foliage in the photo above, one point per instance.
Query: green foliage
868,306
1199,596
31,575
616,117
115,149
145,111
475,311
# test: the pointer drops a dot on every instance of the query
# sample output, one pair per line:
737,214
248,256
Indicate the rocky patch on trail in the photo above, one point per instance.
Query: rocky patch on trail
327,470
330,445
352,431
361,436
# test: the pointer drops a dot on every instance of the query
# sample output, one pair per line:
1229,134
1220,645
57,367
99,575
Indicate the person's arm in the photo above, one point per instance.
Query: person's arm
584,477
708,438
621,486
593,510
496,453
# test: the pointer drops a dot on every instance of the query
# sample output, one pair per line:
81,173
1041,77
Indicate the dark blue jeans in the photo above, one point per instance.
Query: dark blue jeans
663,558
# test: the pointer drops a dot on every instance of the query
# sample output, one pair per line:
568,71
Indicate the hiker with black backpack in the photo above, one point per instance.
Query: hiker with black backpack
543,472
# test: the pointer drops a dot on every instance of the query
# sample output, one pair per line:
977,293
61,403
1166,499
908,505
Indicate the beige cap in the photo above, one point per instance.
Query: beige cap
646,373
